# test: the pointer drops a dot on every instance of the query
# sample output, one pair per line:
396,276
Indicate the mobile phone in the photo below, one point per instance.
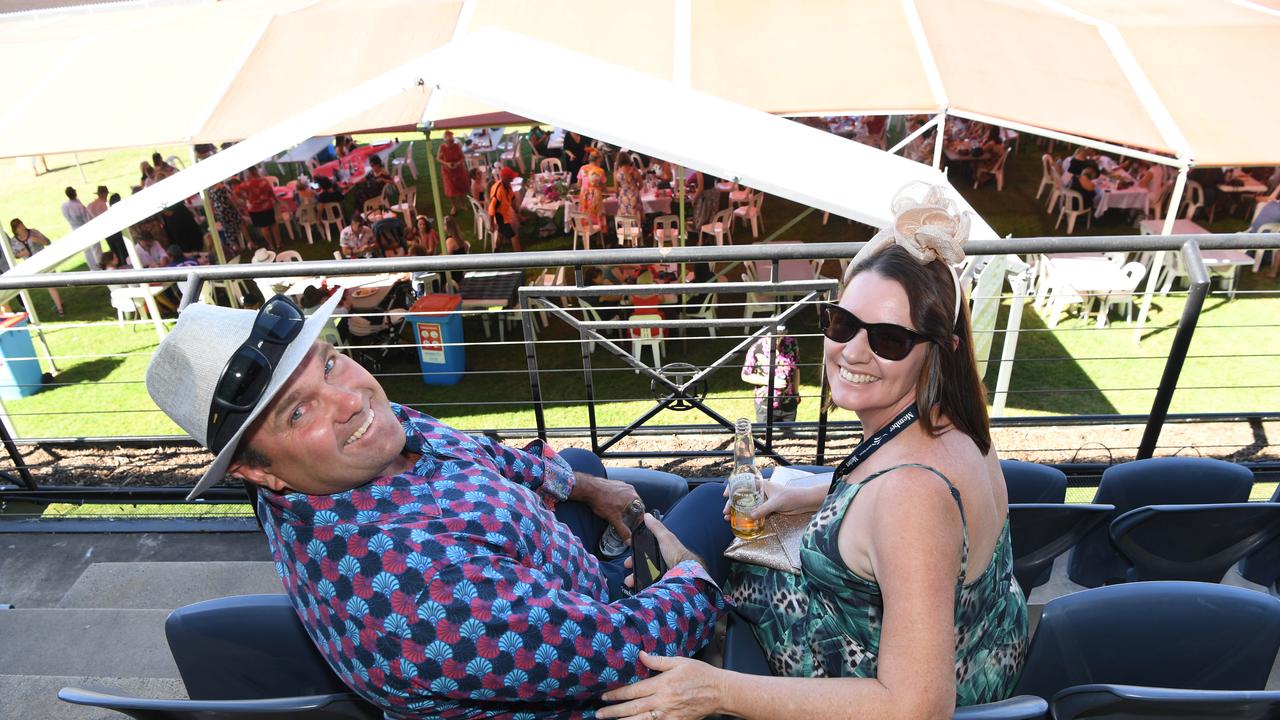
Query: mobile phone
646,559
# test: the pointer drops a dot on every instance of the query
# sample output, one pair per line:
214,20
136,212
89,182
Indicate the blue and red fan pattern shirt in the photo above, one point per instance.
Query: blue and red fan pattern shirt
453,591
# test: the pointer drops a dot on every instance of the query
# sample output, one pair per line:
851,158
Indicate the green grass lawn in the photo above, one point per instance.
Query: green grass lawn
1074,369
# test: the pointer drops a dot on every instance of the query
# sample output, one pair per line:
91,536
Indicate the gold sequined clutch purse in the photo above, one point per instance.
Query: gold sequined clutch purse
778,548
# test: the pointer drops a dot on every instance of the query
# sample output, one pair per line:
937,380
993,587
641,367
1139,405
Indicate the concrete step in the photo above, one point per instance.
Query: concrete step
168,585
37,569
35,697
86,642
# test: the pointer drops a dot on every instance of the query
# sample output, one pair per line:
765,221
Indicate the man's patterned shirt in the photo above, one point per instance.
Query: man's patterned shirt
453,591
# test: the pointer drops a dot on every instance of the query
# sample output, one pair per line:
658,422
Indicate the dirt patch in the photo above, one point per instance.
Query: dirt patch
175,465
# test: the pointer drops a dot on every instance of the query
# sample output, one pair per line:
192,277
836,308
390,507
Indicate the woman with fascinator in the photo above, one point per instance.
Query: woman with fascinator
905,604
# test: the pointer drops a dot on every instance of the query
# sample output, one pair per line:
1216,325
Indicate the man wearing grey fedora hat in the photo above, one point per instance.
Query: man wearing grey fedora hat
439,573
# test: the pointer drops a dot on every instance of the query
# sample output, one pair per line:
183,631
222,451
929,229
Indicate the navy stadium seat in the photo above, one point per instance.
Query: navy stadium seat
1262,566
1127,702
314,707
1033,483
1156,481
1192,542
1186,635
1041,532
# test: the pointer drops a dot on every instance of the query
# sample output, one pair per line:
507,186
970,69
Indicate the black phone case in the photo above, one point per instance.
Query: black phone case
646,559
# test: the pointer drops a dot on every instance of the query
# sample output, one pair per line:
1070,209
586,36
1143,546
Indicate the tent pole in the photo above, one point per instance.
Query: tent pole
435,186
210,219
83,179
1157,260
1012,325
938,141
684,233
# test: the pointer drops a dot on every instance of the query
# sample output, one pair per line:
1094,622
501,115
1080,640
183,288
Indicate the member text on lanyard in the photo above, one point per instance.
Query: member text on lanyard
870,444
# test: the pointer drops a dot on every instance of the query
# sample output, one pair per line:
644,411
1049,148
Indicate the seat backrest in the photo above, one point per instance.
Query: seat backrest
1133,273
1269,228
244,647
666,222
627,225
1040,532
308,214
725,219
1131,701
331,212
1033,483
1159,634
1195,193
646,333
549,165
1154,481
1075,201
1192,542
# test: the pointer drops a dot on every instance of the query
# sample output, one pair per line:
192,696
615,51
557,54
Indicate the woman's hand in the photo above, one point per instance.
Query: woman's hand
783,498
684,689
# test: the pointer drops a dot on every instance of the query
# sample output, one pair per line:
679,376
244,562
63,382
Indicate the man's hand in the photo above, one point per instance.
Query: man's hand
608,499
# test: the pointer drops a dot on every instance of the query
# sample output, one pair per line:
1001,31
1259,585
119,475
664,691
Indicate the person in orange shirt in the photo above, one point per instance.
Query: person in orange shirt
503,210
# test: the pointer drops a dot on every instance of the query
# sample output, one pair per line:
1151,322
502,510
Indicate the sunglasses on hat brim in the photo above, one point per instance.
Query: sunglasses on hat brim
887,340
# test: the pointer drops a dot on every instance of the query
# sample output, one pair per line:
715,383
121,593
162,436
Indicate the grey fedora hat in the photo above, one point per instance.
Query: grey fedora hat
185,369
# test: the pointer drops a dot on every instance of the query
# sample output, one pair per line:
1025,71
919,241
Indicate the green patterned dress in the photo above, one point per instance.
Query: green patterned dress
825,622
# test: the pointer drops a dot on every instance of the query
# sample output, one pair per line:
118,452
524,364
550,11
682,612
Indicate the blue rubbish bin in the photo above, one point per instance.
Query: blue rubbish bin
19,368
437,331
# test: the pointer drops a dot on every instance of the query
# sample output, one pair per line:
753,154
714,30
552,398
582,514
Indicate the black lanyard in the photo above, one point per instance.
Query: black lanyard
871,444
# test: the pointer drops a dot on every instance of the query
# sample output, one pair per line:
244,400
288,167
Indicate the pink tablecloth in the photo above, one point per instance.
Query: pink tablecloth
353,165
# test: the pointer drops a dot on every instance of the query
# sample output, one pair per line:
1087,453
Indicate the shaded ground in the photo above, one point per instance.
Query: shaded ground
176,465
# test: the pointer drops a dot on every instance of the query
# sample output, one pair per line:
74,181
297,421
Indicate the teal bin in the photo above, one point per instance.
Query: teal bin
437,333
19,368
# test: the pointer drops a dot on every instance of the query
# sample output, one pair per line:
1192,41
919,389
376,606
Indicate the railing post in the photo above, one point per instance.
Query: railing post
1178,352
531,356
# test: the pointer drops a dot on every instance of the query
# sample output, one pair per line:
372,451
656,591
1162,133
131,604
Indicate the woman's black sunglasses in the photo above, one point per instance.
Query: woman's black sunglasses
247,374
889,341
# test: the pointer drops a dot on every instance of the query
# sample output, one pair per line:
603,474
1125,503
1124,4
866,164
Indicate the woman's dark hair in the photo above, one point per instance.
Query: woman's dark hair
948,378
993,134
115,198
13,225
624,160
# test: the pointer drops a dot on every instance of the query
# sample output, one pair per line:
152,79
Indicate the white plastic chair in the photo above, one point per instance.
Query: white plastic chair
720,227
285,218
511,154
647,337
1258,254
583,229
408,203
1071,208
1192,200
1048,178
309,217
997,171
406,161
706,310
288,256
374,203
628,230
550,165
666,229
1134,272
751,212
175,161
480,221
740,195
331,215
755,302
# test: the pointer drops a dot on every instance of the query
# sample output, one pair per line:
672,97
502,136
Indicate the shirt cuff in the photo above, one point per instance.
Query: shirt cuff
690,569
557,477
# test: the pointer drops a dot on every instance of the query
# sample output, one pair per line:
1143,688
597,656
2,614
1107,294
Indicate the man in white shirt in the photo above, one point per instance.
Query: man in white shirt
76,215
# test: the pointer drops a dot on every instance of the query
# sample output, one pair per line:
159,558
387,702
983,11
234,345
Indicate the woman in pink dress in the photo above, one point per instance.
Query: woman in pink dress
591,183
453,170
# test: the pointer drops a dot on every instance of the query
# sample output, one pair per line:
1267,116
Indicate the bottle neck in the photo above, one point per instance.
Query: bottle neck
744,449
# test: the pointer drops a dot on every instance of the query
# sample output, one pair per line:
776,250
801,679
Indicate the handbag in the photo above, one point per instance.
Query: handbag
778,548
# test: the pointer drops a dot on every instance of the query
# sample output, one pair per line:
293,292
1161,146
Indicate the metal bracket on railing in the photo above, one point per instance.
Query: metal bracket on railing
680,373
1199,276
